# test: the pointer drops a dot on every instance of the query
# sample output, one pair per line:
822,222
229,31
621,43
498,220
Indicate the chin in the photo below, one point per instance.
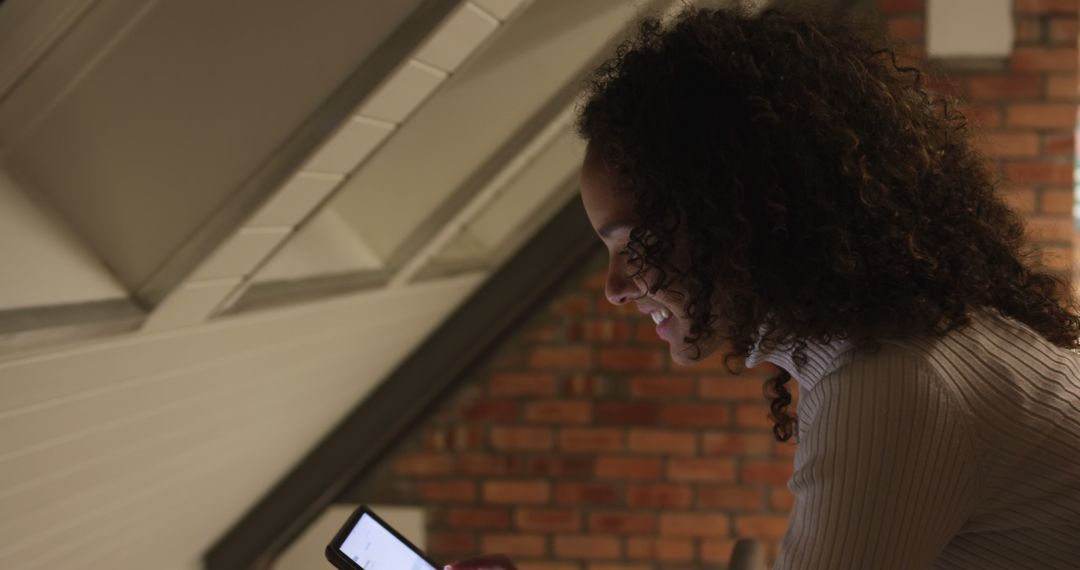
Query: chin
681,356
680,360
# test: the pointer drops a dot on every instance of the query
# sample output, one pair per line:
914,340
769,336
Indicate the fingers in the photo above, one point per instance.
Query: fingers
487,562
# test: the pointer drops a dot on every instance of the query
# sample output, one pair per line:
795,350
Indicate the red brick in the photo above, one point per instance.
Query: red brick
582,384
760,526
1051,228
478,517
1020,199
1039,172
1005,87
645,333
573,305
436,439
983,116
622,522
451,543
717,551
908,28
522,438
1055,201
780,499
552,519
660,549
732,497
589,547
600,330
762,371
560,357
1044,59
1062,30
661,387
551,466
587,493
694,469
1041,116
1045,6
543,333
495,410
770,472
1029,30
424,464
591,439
448,491
626,413
911,54
947,87
735,389
517,492
898,6
1062,87
694,524
515,544
784,449
537,565
595,280
628,468
662,441
736,443
482,464
1009,144
467,437
1058,258
1059,144
695,415
631,359
753,416
559,411
523,384
614,566
659,495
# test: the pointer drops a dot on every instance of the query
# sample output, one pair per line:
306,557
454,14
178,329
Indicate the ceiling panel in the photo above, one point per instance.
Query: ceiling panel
180,108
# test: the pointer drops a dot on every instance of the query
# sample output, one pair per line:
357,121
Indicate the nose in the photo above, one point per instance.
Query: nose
620,287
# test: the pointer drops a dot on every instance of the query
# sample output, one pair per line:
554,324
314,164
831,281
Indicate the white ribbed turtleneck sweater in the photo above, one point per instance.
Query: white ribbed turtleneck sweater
955,452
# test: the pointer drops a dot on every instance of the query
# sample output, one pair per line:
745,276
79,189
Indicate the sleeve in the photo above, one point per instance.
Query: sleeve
885,472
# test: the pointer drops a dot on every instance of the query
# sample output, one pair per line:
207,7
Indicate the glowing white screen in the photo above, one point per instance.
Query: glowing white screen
374,547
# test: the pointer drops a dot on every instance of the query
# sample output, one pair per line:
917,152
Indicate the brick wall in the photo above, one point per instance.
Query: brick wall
579,446
1024,110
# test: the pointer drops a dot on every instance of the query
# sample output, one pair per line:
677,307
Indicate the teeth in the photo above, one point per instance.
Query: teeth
659,316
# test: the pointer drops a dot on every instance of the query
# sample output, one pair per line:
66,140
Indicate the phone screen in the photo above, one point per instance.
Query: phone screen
373,547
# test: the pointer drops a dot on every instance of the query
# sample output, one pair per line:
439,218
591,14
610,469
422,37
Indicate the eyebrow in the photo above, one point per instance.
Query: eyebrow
606,230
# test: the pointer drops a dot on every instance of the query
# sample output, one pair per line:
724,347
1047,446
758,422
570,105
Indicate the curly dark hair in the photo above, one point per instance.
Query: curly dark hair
823,193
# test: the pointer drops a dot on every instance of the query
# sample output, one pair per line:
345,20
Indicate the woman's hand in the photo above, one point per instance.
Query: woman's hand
488,562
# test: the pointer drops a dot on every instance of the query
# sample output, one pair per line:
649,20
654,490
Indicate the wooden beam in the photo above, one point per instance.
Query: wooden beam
404,399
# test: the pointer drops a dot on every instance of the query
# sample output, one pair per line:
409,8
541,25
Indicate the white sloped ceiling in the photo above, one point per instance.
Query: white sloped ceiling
134,122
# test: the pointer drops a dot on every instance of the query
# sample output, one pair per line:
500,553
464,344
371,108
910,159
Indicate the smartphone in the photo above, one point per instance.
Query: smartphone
366,542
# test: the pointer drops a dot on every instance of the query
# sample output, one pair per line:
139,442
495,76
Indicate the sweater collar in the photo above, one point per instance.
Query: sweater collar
821,359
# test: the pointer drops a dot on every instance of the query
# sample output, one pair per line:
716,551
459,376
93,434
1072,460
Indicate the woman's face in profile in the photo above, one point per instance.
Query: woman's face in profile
611,214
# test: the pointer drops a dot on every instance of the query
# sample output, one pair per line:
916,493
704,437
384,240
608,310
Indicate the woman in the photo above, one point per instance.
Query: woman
776,187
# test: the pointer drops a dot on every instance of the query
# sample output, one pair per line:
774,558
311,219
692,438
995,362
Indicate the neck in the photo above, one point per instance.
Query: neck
821,359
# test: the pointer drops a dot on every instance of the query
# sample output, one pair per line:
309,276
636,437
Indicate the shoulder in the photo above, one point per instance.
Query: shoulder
880,365
898,377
